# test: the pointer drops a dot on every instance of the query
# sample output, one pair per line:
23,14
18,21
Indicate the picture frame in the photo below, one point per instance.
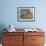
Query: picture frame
26,14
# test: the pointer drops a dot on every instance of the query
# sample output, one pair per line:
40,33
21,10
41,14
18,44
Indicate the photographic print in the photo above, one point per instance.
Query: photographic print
26,14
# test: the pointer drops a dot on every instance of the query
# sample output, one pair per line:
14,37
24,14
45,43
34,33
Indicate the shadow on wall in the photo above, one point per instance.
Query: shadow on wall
2,26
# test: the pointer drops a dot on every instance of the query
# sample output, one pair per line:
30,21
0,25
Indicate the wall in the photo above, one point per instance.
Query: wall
9,13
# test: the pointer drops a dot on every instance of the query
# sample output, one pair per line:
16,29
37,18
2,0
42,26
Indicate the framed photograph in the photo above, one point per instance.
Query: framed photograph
26,14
